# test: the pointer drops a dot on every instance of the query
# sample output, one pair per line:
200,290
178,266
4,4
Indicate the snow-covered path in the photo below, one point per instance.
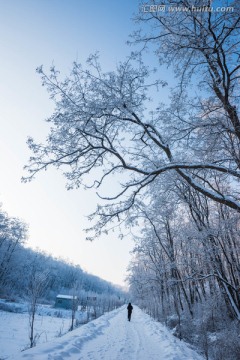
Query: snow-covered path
112,337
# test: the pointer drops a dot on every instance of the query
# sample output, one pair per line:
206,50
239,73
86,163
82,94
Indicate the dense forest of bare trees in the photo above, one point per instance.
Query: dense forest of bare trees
186,267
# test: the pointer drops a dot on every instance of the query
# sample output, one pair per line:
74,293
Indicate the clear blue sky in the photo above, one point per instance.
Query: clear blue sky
35,32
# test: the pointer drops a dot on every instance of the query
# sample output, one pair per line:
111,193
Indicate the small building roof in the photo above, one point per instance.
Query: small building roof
70,297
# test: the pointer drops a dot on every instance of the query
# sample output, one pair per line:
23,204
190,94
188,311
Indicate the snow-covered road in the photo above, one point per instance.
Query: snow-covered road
112,337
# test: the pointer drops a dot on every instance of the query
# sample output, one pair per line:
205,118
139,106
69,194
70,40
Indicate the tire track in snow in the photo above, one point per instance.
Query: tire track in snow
114,343
141,339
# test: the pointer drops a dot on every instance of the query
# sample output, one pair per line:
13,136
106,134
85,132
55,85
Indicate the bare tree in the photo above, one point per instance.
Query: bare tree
38,283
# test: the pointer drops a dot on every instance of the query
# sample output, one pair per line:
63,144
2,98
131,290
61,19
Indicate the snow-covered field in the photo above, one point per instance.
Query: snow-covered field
112,337
14,327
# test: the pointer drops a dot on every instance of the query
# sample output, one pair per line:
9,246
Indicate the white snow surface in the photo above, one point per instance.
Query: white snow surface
112,337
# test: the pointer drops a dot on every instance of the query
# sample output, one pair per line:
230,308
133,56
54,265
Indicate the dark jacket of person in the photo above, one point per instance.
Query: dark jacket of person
130,308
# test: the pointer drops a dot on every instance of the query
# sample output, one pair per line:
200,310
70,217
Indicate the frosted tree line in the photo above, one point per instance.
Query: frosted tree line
175,166
43,277
186,267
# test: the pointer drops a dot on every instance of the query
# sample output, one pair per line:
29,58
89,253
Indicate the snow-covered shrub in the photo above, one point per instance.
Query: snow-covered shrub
226,344
172,321
11,307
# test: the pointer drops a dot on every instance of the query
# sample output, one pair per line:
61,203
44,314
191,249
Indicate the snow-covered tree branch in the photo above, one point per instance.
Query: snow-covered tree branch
105,125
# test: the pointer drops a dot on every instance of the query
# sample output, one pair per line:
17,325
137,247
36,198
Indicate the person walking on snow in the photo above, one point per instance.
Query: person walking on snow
130,309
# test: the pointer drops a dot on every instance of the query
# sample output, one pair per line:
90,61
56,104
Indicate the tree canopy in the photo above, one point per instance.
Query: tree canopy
104,123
